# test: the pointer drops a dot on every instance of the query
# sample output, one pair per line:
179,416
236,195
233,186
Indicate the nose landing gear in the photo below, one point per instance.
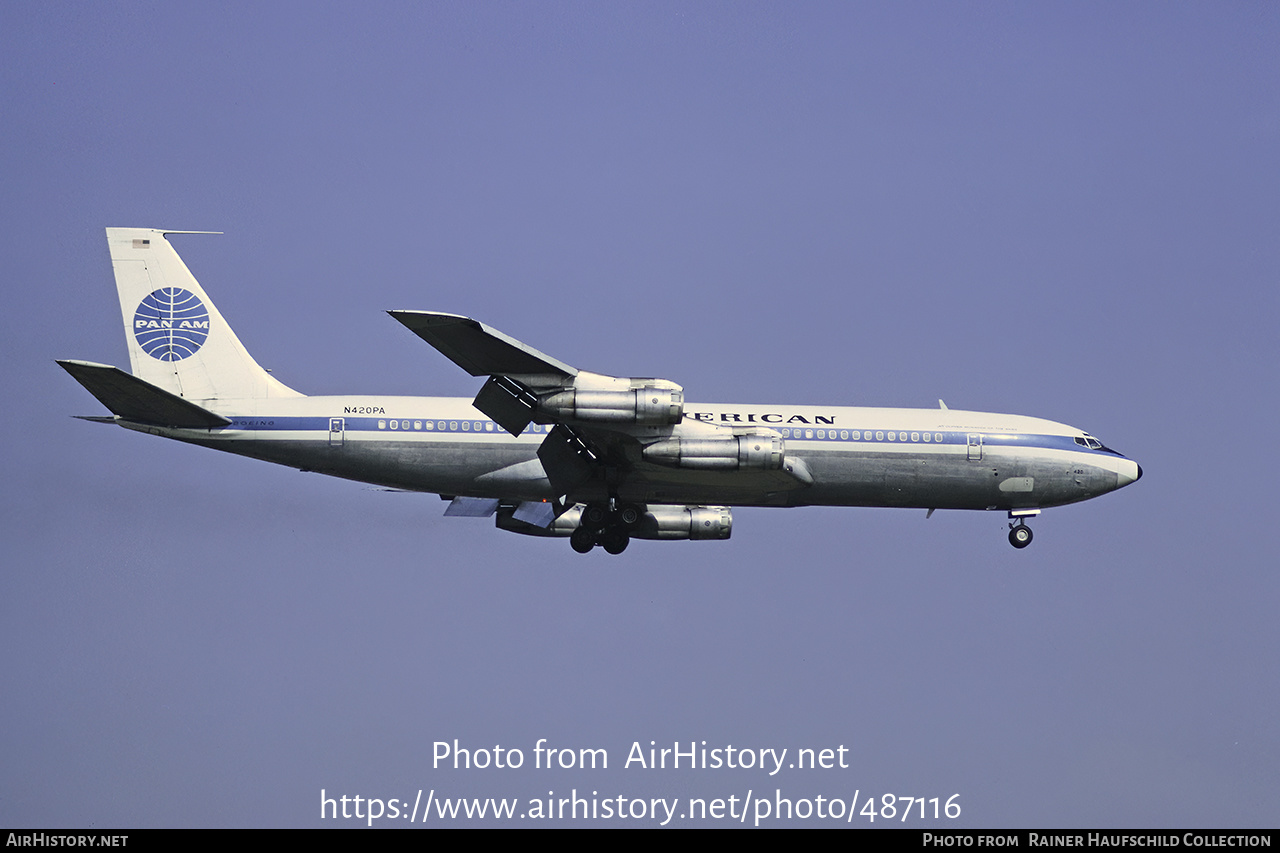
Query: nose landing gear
1019,533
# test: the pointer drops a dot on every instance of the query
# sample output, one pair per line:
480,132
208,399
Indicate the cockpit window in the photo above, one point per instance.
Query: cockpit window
1089,441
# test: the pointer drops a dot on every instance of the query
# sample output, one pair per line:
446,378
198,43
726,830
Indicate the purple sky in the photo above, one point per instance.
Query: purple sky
1062,210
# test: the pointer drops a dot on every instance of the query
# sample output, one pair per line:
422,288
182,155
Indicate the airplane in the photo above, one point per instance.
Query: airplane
550,450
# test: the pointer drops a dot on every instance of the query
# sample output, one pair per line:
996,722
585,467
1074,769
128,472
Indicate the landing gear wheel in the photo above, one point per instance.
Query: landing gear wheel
615,541
594,516
1020,535
582,540
629,515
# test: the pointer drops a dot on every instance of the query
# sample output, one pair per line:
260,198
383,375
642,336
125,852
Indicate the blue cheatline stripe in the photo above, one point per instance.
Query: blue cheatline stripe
393,426
366,424
951,438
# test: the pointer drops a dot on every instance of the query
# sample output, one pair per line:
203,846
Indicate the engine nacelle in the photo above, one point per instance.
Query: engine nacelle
585,398
684,522
756,451
657,521
655,404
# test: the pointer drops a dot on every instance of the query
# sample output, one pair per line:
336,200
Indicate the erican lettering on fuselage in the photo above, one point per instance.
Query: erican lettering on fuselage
752,418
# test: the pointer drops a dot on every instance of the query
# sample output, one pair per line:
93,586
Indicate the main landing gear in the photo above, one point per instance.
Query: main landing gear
1019,533
607,525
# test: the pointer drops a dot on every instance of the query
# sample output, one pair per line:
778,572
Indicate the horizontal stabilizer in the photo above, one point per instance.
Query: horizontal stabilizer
480,350
134,399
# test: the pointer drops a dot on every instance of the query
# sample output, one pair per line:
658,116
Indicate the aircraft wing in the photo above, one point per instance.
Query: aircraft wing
607,429
481,350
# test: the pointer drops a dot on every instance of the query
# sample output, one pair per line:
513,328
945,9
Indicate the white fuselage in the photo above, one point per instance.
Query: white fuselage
928,458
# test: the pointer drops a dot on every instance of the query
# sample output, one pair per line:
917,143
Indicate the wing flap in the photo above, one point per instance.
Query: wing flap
135,399
508,402
537,513
471,507
568,458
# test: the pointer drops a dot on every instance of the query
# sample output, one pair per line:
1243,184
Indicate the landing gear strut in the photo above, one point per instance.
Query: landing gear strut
1019,533
608,525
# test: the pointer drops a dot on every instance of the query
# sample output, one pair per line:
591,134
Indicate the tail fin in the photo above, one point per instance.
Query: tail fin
177,339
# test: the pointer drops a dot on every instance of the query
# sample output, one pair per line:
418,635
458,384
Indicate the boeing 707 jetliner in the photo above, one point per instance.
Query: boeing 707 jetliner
551,450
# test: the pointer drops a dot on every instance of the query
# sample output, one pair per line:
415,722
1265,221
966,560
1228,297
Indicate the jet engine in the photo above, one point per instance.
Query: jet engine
649,405
656,521
759,451
586,398
684,522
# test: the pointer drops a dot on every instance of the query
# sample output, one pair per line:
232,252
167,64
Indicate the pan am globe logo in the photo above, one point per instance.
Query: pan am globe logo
171,323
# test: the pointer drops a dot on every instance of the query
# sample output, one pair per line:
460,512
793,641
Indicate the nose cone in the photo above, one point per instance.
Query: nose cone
1128,472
